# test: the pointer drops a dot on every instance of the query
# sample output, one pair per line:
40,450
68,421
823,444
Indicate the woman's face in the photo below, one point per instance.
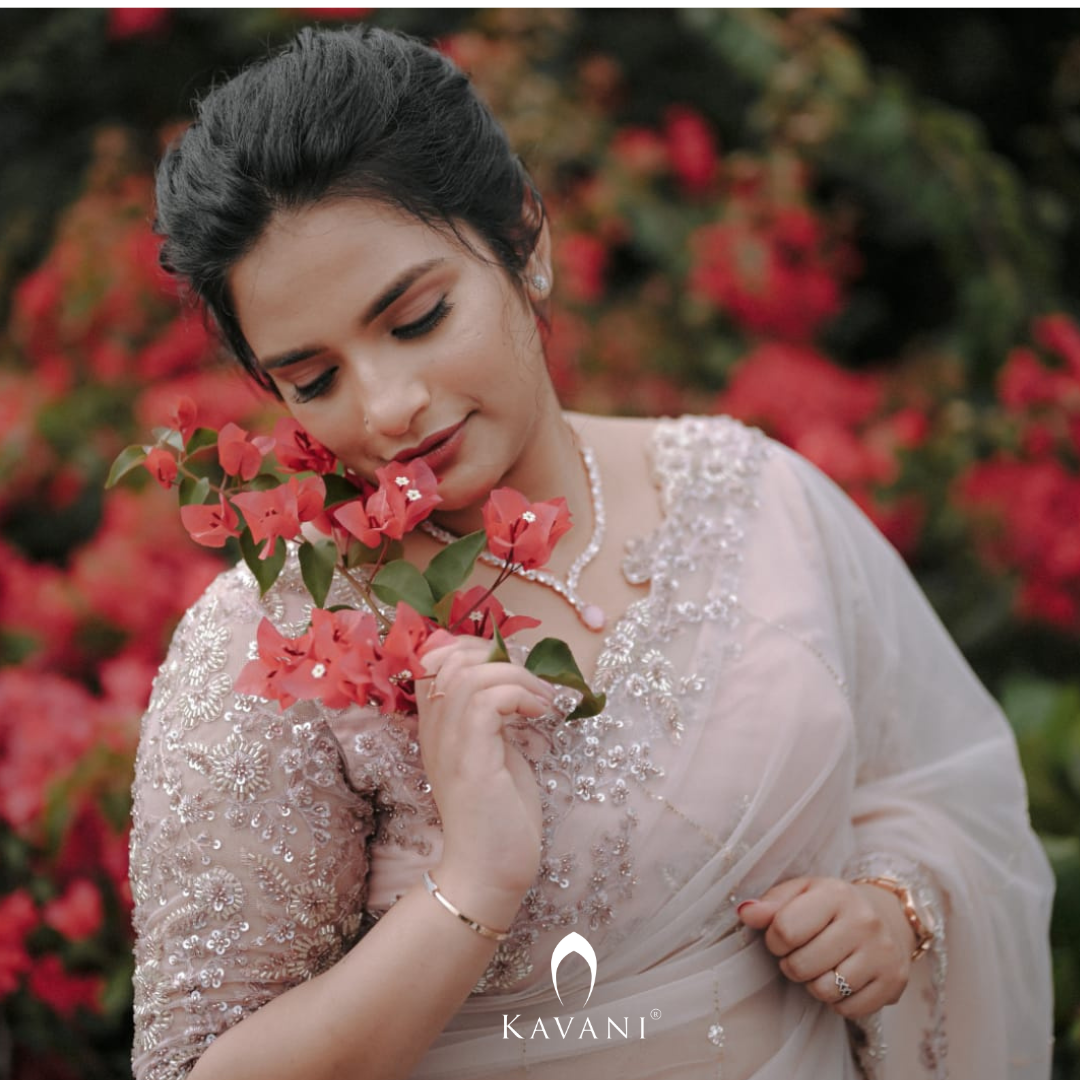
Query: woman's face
388,340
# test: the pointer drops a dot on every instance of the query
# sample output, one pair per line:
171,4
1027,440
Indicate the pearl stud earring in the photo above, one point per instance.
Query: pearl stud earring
539,283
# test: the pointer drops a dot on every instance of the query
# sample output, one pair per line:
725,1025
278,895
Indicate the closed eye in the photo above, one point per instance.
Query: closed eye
315,388
426,323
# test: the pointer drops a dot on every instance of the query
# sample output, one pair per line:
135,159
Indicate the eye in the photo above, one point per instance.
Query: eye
315,388
426,323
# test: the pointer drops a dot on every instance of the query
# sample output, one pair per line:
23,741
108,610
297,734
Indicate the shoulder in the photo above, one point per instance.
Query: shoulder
716,451
215,638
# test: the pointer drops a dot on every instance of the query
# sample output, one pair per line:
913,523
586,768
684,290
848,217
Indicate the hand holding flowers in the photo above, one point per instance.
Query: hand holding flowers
371,652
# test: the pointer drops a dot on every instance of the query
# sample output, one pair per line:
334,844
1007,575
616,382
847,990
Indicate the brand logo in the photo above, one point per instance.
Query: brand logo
573,943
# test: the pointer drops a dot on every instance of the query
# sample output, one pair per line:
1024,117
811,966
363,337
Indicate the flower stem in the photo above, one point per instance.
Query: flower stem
504,573
363,590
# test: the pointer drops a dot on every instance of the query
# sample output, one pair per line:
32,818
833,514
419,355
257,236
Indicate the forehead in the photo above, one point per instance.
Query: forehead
360,237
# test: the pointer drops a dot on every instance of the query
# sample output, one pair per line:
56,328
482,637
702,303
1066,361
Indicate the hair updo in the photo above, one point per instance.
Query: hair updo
360,112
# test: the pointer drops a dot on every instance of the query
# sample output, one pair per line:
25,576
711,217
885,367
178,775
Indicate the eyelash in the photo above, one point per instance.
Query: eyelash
424,325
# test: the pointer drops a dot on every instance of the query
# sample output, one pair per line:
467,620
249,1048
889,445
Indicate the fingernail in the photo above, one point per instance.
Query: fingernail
744,904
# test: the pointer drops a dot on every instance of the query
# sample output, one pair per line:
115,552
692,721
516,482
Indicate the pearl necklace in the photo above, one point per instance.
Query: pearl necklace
592,616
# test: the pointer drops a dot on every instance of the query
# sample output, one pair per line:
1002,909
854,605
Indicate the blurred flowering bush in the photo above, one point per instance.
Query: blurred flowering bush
792,236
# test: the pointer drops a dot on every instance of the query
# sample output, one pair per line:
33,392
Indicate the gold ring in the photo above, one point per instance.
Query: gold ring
433,694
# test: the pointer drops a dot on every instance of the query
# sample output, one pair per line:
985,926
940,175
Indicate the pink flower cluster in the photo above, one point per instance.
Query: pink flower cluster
347,655
772,268
89,592
841,420
1024,502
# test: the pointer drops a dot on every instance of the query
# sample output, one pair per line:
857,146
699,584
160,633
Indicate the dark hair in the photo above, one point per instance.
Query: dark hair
356,112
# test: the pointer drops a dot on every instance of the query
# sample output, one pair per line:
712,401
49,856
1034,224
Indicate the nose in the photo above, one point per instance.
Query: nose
389,397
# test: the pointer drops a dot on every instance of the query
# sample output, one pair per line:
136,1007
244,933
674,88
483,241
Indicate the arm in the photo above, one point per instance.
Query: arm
249,864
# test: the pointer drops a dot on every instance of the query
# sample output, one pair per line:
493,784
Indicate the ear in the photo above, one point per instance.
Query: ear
539,276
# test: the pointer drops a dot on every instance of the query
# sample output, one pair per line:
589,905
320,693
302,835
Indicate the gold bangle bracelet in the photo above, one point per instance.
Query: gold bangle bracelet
924,937
472,924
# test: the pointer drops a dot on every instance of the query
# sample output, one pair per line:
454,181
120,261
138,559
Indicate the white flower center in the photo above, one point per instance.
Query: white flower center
528,516
401,481
412,495
318,671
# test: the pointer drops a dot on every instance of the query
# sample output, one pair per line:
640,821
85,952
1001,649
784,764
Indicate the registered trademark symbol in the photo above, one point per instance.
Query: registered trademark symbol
655,1014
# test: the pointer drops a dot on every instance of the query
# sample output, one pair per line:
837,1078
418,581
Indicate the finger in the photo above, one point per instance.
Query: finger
821,954
460,677
864,1002
802,919
758,912
842,981
465,649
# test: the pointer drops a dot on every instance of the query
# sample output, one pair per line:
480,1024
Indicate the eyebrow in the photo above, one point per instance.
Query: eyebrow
401,285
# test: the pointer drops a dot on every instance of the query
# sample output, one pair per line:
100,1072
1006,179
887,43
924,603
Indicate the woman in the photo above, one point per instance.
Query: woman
797,834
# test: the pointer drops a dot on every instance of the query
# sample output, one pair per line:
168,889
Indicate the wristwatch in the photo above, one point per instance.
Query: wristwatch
920,918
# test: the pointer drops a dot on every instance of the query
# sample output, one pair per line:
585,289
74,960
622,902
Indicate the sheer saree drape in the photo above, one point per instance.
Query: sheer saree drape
838,726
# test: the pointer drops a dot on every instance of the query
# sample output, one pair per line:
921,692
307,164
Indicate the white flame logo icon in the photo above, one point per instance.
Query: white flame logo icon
573,943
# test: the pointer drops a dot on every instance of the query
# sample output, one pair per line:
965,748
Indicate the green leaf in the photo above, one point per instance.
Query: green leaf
200,439
553,661
317,562
400,580
442,610
126,460
194,492
360,554
169,437
265,570
339,490
499,655
450,569
263,482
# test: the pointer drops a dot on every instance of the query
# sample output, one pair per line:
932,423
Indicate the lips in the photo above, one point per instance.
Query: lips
437,448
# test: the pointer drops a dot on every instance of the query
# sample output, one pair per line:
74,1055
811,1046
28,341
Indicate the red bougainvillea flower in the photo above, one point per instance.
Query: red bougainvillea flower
239,453
161,465
64,991
581,262
279,512
792,389
523,532
404,646
77,914
773,272
487,615
278,656
1025,382
1059,334
18,916
691,148
136,22
641,151
210,525
1023,515
297,451
321,672
182,346
405,496
184,417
